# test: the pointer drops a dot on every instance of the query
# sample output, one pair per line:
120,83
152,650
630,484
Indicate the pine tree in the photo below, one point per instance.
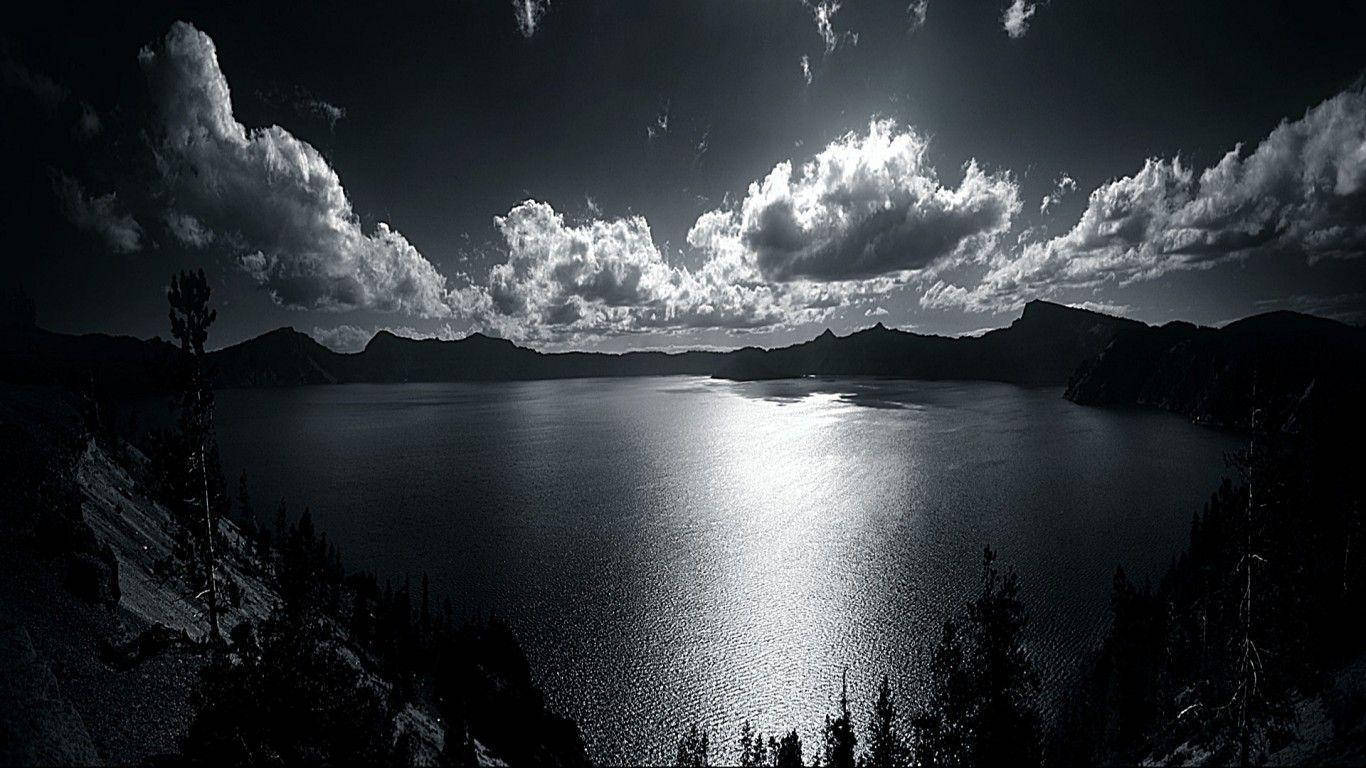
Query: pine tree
693,749
190,320
1006,726
751,748
941,732
983,689
885,748
788,752
840,740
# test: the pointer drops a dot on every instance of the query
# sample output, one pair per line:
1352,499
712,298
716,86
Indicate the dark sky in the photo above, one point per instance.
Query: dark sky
611,174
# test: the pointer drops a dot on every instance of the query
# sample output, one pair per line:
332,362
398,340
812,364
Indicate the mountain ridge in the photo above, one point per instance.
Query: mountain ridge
1285,369
1198,371
1058,338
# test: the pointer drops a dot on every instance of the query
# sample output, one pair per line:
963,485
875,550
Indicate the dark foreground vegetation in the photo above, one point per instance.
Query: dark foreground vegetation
299,661
1245,639
981,706
1244,651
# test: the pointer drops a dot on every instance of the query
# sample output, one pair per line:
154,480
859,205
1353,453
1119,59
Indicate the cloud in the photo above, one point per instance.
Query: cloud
1063,186
702,146
868,206
875,312
824,11
805,61
1015,18
1343,307
16,76
528,14
916,13
188,230
1300,194
660,126
97,214
1104,307
979,331
303,103
608,276
88,125
342,338
351,338
275,201
328,112
274,205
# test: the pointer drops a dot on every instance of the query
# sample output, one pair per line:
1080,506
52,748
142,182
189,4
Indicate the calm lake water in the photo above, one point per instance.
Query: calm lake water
677,549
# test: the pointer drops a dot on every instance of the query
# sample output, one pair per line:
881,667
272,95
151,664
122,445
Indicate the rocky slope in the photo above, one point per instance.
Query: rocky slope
98,672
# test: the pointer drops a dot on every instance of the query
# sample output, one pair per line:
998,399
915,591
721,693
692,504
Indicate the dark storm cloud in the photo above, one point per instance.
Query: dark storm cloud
101,214
1300,194
273,199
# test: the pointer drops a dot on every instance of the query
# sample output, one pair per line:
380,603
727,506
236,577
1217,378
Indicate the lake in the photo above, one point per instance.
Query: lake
674,550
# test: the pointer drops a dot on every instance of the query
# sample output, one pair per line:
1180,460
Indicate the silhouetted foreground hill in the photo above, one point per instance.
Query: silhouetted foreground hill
30,355
1298,372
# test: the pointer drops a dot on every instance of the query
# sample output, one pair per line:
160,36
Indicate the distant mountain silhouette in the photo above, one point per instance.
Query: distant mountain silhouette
283,357
1300,363
1296,371
1043,346
31,355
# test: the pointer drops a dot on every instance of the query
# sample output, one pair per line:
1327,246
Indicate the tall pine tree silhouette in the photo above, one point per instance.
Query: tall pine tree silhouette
190,320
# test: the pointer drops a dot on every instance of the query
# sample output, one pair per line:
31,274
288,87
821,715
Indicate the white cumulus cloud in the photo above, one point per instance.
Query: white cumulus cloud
916,13
1015,18
1300,194
607,276
276,199
1063,186
869,205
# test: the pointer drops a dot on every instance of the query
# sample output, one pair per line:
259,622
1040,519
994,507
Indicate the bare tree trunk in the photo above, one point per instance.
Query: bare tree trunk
1249,662
209,526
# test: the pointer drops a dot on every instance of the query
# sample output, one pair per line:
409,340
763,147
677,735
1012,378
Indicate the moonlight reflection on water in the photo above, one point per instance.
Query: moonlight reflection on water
678,549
